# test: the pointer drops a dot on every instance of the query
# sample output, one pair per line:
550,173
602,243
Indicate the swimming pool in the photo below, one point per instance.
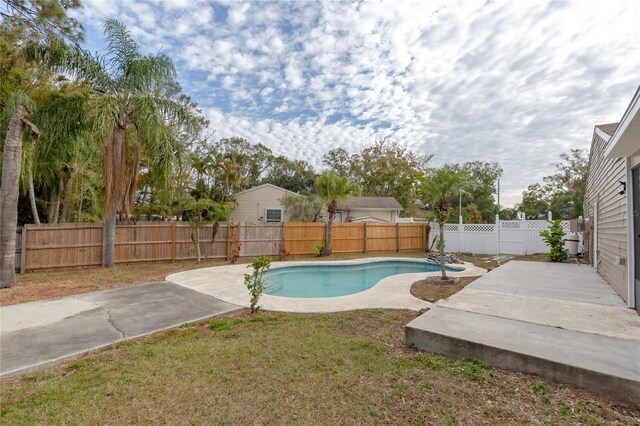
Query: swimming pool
313,281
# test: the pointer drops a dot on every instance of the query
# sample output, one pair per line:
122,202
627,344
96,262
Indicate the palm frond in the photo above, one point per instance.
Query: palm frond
122,48
148,73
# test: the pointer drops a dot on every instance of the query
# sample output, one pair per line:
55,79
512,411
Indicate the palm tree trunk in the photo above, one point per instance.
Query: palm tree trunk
113,156
31,191
132,183
214,232
195,237
331,210
328,237
12,157
441,247
66,199
427,231
54,205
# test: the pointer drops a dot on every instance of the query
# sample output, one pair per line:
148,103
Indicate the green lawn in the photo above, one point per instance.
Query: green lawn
347,368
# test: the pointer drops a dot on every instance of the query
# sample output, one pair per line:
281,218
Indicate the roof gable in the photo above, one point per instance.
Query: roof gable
609,128
370,203
266,185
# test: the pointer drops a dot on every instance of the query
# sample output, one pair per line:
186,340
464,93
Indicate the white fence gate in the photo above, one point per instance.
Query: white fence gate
506,237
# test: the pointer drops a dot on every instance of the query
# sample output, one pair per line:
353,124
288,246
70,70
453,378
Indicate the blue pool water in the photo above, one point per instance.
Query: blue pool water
336,280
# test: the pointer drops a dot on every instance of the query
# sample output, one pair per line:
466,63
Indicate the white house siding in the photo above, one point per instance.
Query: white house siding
251,205
603,186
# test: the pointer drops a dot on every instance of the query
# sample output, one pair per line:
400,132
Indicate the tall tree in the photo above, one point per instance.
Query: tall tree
333,189
128,113
302,208
383,169
294,175
22,20
481,186
562,192
441,188
9,192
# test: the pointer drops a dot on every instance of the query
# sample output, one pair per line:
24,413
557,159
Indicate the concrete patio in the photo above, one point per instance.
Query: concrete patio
560,321
37,334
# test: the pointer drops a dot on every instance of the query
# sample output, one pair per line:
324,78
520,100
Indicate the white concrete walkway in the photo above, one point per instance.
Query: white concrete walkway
227,283
560,321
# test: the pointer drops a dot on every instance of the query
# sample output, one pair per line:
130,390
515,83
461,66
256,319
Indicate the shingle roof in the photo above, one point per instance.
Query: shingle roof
608,128
377,203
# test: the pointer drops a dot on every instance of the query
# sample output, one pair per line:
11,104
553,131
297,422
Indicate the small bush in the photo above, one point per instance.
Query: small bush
318,249
554,238
254,282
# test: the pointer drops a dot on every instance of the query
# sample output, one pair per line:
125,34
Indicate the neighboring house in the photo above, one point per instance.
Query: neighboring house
368,209
259,204
612,203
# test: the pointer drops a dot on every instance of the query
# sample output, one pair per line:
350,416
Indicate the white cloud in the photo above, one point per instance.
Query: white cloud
514,82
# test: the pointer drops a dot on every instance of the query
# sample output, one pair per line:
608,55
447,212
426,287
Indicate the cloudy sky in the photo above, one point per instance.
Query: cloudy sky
517,82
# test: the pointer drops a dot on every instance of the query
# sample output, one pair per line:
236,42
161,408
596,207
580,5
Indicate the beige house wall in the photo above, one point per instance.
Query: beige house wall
250,206
602,192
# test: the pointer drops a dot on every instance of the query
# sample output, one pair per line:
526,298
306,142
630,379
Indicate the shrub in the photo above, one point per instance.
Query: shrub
318,249
553,237
254,281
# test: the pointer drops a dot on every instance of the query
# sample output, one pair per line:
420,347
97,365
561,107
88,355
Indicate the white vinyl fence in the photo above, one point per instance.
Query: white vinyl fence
504,237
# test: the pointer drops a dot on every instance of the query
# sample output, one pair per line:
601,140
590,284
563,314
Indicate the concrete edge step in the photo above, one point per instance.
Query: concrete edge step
431,339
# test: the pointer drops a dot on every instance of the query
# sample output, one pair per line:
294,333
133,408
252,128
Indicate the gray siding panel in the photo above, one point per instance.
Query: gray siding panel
603,186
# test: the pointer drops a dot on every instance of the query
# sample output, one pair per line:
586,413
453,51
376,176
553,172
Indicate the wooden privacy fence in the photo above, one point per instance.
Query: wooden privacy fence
77,245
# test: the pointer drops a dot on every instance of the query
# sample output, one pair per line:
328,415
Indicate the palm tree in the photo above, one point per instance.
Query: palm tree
440,188
219,212
332,189
9,189
199,211
128,113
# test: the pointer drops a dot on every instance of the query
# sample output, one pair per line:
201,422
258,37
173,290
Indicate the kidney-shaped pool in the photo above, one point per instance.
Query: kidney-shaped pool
310,281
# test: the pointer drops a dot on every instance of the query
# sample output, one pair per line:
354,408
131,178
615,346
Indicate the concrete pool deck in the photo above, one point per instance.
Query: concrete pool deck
226,283
560,321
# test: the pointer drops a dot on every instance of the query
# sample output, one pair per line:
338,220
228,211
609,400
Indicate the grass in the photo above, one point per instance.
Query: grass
274,368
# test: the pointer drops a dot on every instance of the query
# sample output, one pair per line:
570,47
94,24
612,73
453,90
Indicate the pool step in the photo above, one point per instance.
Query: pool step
603,364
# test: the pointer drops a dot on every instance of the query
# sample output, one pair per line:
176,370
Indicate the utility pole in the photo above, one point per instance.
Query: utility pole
498,196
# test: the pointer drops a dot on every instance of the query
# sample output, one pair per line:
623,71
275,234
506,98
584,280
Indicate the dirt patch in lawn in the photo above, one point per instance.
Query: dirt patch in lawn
276,368
432,292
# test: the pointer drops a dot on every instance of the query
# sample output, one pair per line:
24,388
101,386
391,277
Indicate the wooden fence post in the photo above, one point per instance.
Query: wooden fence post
174,236
23,249
282,248
239,236
229,239
364,237
424,237
397,237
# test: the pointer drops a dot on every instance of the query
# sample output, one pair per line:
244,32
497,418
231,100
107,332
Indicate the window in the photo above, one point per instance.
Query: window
273,215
